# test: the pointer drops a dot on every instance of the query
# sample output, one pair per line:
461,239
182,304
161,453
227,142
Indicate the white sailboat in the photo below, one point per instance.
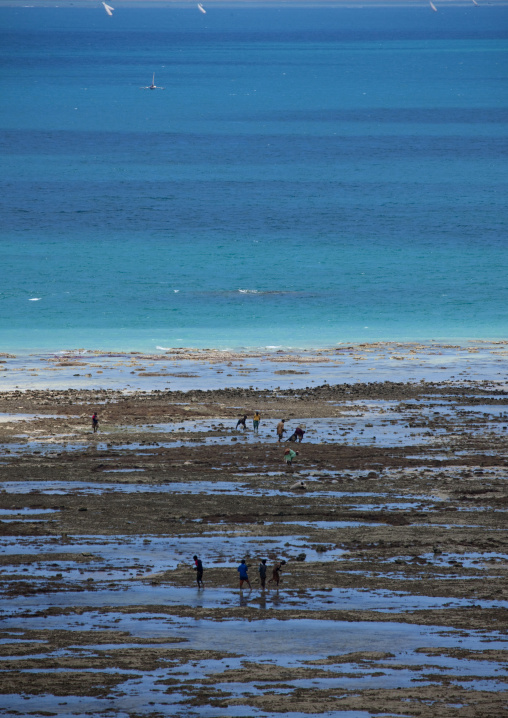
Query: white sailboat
433,7
201,8
108,9
153,86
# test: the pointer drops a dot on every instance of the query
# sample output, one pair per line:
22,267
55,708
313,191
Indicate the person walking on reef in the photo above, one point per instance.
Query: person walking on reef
241,422
289,455
242,570
281,429
255,422
276,572
262,573
198,567
95,422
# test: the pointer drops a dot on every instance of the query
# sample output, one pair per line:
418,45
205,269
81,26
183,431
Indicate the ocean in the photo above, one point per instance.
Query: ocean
309,175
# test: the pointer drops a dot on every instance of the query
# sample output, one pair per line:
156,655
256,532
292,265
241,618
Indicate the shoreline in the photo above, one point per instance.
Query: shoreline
232,347
184,369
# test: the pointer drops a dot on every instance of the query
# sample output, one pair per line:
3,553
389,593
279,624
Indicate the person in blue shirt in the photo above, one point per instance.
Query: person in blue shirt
242,570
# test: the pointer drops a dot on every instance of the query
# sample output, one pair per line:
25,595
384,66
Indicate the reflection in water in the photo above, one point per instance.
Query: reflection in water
244,597
276,598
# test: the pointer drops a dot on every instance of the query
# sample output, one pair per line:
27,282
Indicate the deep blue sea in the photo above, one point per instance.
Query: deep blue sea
309,175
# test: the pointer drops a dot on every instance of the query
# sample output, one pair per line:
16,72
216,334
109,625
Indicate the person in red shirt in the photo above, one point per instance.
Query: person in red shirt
276,572
299,432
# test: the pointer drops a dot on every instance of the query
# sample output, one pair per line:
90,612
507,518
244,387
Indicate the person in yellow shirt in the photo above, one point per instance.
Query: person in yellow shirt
255,421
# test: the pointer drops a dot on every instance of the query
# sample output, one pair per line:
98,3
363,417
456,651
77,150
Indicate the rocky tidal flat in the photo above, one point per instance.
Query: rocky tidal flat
391,522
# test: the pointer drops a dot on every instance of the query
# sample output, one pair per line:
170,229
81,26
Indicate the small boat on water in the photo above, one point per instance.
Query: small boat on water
153,86
108,9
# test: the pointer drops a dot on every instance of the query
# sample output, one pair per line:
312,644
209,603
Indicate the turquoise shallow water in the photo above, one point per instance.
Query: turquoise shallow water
307,176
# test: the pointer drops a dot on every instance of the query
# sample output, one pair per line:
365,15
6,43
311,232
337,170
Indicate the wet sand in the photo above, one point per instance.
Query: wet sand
393,596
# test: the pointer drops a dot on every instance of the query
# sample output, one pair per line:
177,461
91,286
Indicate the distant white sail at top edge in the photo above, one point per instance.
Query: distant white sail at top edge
108,8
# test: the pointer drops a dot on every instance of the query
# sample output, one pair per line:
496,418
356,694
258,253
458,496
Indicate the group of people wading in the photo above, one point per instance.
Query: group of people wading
243,569
297,435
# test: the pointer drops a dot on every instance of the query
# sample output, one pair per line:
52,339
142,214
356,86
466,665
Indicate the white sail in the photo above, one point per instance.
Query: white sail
433,7
108,9
201,8
153,86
